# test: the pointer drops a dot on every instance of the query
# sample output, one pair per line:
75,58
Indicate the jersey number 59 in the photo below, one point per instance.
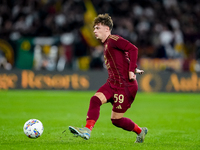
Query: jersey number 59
119,97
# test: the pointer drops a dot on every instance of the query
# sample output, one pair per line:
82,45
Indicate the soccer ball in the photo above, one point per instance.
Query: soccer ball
33,128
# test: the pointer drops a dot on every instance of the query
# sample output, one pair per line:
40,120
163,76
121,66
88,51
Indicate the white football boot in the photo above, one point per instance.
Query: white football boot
141,136
82,132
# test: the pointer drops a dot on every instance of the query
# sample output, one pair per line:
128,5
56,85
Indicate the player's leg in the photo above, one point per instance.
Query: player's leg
96,101
92,116
124,123
123,98
94,109
127,124
101,96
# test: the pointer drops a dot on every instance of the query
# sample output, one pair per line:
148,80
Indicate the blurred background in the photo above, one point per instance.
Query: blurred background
56,36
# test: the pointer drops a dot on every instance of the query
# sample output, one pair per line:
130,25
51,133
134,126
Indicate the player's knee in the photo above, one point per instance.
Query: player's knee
116,122
101,96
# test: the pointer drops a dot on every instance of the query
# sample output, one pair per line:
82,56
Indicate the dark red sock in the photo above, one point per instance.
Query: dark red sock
93,112
126,124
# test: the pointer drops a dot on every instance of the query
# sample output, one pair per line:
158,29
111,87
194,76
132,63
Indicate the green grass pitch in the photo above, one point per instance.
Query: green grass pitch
173,120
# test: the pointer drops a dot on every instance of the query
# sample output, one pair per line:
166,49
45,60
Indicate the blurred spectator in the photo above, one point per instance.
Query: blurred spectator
97,59
198,49
197,65
166,39
3,62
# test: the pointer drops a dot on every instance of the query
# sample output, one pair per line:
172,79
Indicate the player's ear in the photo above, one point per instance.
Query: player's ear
107,28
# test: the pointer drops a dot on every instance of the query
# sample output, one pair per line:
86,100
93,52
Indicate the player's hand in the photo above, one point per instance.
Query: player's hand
132,76
139,71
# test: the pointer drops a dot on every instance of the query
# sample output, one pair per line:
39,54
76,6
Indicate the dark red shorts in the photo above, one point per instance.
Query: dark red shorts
120,97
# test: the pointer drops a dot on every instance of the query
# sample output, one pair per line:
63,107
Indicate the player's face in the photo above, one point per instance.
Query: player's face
100,31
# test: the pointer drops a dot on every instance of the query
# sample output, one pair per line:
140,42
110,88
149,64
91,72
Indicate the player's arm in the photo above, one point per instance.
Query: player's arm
132,50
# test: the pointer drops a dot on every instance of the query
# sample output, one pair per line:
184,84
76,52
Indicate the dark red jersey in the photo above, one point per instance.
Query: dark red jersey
120,57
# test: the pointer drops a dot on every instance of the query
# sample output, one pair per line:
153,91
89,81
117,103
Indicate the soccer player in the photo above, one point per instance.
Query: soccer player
121,87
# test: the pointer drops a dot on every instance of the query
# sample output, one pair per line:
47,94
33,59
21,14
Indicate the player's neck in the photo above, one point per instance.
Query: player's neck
107,35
